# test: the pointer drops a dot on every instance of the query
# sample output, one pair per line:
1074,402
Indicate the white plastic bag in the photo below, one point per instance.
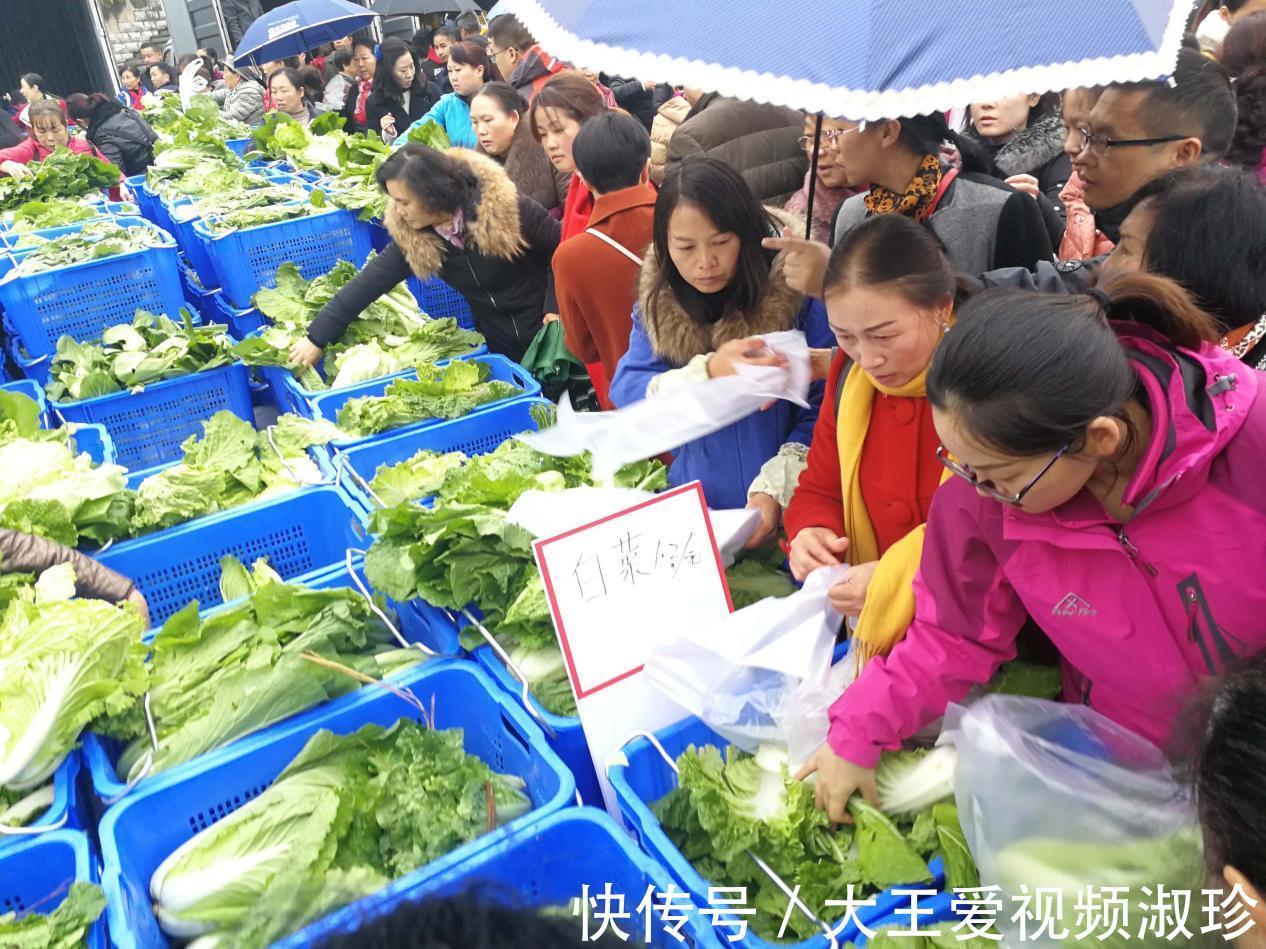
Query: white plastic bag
666,422
761,675
1058,796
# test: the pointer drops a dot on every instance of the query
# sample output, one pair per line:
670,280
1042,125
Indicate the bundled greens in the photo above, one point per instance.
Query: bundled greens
391,335
214,680
194,135
64,663
257,217
63,174
49,489
464,551
725,807
50,212
231,464
439,392
64,928
95,240
311,147
206,179
347,815
150,349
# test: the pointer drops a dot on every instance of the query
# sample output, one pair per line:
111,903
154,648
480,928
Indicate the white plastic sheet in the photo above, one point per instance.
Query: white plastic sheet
682,415
762,675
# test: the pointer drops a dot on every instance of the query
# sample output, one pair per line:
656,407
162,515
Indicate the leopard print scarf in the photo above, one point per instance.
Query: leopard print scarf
917,200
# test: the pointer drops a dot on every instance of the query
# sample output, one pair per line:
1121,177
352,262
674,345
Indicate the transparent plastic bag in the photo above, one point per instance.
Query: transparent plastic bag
1059,797
761,675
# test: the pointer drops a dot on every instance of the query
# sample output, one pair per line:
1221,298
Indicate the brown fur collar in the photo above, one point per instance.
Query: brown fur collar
493,230
678,338
530,168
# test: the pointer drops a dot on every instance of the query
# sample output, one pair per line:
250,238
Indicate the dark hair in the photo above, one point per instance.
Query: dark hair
570,93
46,107
451,31
923,134
367,43
421,41
151,45
83,107
1196,99
211,51
1228,769
313,84
339,60
204,71
723,194
1208,232
467,53
1244,57
505,95
468,22
611,151
133,69
392,50
441,183
164,69
292,76
34,79
471,920
506,30
894,252
1027,372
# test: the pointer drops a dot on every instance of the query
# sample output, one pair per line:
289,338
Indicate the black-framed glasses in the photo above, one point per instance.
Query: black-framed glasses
1015,500
1099,144
494,53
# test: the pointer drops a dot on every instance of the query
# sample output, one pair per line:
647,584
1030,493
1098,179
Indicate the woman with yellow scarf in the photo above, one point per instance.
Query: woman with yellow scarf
872,466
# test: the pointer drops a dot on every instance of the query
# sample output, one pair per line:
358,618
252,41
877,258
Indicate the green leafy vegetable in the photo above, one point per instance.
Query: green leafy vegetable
95,240
346,816
1027,678
753,579
257,217
51,212
418,477
431,134
912,781
243,668
63,174
63,664
64,928
439,392
150,349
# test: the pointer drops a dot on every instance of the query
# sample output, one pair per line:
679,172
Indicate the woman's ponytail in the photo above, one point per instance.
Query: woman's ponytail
1157,302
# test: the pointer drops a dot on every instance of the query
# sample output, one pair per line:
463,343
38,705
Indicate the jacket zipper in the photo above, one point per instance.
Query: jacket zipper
1133,552
491,298
1198,605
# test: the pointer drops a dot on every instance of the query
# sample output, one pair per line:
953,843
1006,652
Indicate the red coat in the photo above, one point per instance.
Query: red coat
596,285
899,469
577,209
30,150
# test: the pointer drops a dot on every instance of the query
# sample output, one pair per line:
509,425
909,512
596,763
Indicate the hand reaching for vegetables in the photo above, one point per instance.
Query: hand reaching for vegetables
837,781
770,518
849,596
15,169
305,353
816,547
137,599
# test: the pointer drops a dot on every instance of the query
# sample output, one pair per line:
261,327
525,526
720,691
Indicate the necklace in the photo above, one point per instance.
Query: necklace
1248,342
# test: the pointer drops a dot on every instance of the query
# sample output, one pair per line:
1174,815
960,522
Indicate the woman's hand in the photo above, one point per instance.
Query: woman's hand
1025,183
137,599
820,364
804,262
770,519
742,352
15,169
849,595
305,353
838,780
388,124
549,318
816,547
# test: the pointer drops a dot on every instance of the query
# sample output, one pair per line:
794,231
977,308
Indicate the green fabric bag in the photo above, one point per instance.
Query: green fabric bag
552,365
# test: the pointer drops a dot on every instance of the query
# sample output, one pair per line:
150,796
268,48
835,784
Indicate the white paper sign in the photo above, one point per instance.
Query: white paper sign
620,587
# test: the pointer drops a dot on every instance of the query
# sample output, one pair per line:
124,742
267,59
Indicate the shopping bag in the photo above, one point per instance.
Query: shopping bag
1055,800
552,364
762,675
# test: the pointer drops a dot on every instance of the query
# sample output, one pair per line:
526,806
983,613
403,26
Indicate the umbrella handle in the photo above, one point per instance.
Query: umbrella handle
813,178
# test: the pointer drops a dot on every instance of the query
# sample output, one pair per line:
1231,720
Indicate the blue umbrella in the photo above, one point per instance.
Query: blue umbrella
864,59
301,25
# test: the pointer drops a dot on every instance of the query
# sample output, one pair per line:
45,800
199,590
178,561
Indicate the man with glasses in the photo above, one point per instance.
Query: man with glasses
515,52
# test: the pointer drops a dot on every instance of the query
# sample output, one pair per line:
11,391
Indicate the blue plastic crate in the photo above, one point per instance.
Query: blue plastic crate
301,533
182,216
143,829
240,146
328,404
95,442
545,865
101,753
161,215
647,778
202,299
10,235
438,299
241,323
149,426
66,811
247,259
81,300
142,197
33,391
472,435
37,868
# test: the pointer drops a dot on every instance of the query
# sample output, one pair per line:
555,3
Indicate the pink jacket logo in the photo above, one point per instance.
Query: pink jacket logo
1073,605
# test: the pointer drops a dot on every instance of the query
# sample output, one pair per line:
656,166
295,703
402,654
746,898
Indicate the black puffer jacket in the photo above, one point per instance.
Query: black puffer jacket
122,136
422,96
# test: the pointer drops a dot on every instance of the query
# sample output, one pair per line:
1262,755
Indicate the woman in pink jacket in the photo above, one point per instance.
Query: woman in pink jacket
1109,487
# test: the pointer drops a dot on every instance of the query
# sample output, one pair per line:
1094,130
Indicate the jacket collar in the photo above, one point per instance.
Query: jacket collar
1029,149
615,202
492,230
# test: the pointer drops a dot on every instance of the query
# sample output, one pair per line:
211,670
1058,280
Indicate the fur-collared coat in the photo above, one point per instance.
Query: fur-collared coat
501,270
531,170
666,337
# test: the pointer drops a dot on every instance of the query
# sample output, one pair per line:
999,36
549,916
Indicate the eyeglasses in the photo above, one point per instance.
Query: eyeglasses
1099,144
494,53
828,136
973,479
